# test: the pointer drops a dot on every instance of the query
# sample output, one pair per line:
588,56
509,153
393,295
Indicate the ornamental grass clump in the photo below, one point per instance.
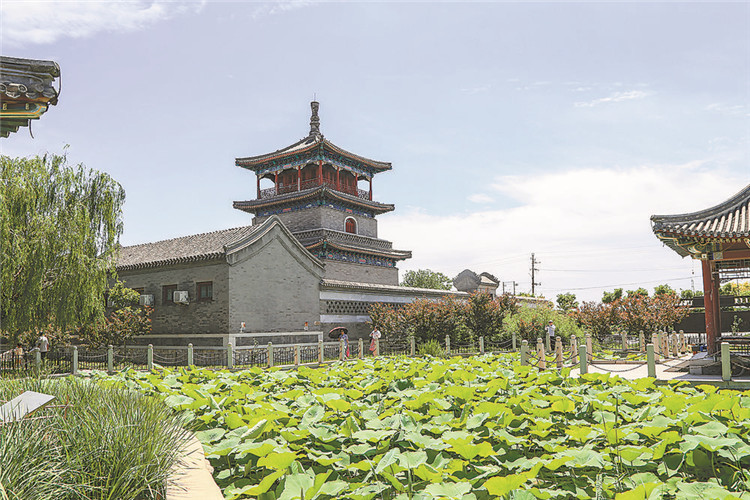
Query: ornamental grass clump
109,443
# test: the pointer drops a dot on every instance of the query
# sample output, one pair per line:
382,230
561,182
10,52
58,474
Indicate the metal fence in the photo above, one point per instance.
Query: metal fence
73,359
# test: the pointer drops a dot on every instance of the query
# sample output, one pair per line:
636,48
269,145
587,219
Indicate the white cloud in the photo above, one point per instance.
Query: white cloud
25,22
281,6
477,89
616,97
726,109
480,198
590,228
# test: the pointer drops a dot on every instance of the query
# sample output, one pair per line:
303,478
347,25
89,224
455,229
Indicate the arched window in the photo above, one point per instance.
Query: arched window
350,225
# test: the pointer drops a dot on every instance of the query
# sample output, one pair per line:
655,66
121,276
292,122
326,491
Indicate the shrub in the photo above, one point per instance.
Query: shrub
432,348
529,323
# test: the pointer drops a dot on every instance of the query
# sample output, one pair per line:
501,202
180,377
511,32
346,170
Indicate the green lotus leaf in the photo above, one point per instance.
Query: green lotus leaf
448,490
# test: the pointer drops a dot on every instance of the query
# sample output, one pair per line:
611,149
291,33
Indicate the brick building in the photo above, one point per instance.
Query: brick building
311,256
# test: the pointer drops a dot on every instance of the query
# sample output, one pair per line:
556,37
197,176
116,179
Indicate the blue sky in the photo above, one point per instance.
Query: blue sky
553,128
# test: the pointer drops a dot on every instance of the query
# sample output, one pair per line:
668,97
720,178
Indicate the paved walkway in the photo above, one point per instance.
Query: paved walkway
191,478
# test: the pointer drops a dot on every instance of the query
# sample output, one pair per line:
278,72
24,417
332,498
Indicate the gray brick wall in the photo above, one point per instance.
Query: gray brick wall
275,286
196,317
324,217
361,273
334,219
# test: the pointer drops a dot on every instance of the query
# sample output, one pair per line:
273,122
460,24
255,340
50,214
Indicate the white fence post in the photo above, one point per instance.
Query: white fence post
320,351
481,345
150,357
110,359
574,349
230,355
270,354
448,345
558,352
190,355
74,368
541,354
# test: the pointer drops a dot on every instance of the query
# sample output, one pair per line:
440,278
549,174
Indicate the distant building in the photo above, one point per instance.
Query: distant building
26,91
471,282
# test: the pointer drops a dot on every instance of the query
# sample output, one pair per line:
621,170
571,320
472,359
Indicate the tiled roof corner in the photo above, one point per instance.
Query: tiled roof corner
729,219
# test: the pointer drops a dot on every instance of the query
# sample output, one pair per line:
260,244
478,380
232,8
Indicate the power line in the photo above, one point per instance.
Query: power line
621,284
627,270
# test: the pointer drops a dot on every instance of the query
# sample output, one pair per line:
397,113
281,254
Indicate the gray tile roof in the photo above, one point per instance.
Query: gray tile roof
178,250
374,287
726,220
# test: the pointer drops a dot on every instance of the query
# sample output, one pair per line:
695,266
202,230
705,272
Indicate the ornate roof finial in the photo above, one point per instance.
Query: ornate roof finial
314,119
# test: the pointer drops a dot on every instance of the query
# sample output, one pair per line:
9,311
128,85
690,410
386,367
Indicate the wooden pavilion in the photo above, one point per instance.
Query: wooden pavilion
720,238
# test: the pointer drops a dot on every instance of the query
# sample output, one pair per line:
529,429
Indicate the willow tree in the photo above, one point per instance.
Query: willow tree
59,228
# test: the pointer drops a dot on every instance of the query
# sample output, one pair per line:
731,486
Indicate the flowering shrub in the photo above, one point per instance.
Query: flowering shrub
461,320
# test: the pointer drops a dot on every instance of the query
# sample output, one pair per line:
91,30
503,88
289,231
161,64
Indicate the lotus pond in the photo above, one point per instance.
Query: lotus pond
460,428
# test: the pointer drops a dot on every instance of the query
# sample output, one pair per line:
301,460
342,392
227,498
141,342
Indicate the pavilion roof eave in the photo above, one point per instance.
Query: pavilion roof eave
307,145
318,191
391,254
729,219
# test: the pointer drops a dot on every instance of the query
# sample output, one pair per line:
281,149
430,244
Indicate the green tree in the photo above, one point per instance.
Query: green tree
641,292
59,230
567,302
426,278
664,290
610,297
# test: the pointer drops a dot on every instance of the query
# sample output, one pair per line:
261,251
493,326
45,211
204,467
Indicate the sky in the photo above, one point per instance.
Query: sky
555,129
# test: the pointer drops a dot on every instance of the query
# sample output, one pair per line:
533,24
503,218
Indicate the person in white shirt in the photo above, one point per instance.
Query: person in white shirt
374,335
43,344
550,329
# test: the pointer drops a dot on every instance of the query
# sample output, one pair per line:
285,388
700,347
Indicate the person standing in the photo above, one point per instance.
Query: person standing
345,338
374,336
18,355
550,329
43,344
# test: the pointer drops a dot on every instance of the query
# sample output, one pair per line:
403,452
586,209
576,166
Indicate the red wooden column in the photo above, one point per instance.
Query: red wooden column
338,176
299,179
711,304
276,181
320,173
259,186
370,195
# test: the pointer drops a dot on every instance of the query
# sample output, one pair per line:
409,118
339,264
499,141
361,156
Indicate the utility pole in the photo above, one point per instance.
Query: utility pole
534,269
512,283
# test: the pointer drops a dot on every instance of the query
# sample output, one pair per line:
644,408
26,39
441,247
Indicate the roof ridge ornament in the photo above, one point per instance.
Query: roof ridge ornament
314,120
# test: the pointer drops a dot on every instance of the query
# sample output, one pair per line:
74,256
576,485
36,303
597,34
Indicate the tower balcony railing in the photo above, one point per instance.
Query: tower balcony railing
312,183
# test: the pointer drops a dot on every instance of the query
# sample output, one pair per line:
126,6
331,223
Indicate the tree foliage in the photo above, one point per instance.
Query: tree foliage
461,320
126,319
567,302
426,278
59,229
633,313
530,322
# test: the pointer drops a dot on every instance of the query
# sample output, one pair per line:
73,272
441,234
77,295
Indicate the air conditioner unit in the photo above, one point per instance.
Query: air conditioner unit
180,297
146,300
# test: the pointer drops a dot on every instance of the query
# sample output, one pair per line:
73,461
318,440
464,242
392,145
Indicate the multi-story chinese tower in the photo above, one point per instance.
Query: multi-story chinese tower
316,195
